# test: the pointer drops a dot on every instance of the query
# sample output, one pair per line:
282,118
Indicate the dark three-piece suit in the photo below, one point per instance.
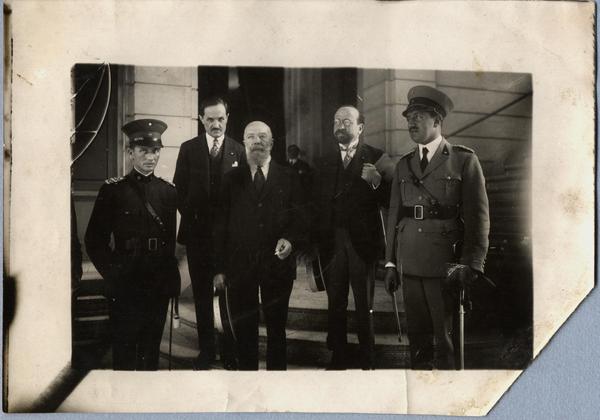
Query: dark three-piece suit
198,178
249,225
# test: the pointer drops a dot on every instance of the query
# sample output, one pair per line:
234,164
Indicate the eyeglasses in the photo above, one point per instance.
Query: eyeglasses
345,122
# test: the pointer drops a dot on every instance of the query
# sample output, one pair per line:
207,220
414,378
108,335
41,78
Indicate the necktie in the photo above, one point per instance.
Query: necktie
424,160
214,151
349,155
259,179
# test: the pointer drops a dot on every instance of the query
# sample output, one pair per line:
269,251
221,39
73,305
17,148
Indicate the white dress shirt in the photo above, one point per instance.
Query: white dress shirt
432,147
264,168
350,148
210,140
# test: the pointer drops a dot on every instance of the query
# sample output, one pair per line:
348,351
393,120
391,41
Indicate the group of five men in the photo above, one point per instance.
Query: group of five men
244,218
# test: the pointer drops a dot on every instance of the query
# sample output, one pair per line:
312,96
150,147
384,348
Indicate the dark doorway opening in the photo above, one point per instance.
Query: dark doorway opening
258,93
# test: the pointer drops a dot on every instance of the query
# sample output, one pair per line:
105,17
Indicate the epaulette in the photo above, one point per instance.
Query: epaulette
408,154
114,180
463,148
167,181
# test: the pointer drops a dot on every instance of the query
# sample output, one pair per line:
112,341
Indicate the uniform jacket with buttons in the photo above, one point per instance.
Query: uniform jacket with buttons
342,193
249,223
453,177
192,178
121,232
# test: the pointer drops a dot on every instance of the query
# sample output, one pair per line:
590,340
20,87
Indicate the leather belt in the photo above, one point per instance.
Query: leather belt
144,246
420,212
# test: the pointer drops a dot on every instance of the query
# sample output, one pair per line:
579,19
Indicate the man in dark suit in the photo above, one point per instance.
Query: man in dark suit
137,211
348,191
438,202
201,164
301,167
260,223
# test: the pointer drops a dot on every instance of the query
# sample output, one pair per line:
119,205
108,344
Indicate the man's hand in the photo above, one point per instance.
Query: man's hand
371,175
391,279
219,282
283,249
466,275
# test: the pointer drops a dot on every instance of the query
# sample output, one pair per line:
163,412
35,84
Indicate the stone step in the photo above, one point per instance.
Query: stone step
308,349
311,319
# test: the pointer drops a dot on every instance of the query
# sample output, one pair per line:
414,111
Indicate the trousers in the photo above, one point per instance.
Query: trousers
347,269
429,315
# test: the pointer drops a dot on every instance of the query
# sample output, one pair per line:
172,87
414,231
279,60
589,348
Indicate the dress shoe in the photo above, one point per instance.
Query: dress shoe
338,361
203,361
230,364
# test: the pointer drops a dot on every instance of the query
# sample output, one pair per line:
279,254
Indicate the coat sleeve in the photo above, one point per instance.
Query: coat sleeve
395,204
475,214
220,236
99,230
180,179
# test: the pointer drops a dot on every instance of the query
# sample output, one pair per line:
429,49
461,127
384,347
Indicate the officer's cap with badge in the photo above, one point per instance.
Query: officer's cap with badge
145,132
427,98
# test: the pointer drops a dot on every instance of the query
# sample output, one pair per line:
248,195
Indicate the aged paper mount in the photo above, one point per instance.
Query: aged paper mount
551,40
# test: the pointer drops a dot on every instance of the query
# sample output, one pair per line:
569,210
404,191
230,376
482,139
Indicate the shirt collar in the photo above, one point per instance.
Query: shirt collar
264,167
210,140
141,174
432,147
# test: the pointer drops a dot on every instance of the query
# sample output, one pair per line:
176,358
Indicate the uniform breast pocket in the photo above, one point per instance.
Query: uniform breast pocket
406,189
451,184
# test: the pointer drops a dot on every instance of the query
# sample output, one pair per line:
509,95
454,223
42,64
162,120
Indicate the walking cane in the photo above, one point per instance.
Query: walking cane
394,300
174,324
461,325
171,331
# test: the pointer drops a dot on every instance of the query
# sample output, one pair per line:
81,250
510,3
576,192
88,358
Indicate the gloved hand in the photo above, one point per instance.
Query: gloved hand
466,275
219,283
391,280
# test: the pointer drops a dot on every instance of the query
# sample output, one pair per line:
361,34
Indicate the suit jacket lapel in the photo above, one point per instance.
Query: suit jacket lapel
438,158
201,156
272,177
359,158
229,156
415,163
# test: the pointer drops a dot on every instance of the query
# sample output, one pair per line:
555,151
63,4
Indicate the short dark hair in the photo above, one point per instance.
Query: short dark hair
212,101
360,119
293,150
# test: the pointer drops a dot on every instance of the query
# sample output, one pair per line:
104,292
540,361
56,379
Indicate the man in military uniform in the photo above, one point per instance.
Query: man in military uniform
348,191
438,215
140,270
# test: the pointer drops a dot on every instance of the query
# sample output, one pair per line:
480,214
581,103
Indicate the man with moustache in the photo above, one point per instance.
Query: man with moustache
438,215
131,241
201,165
348,192
260,223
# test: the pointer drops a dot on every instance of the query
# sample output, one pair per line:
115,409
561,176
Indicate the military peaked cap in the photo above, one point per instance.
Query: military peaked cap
428,98
145,132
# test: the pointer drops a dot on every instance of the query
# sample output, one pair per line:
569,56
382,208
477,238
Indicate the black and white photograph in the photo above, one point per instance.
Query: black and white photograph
291,218
305,207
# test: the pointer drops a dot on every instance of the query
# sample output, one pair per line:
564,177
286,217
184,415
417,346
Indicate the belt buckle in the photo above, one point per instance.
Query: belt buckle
418,212
152,244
